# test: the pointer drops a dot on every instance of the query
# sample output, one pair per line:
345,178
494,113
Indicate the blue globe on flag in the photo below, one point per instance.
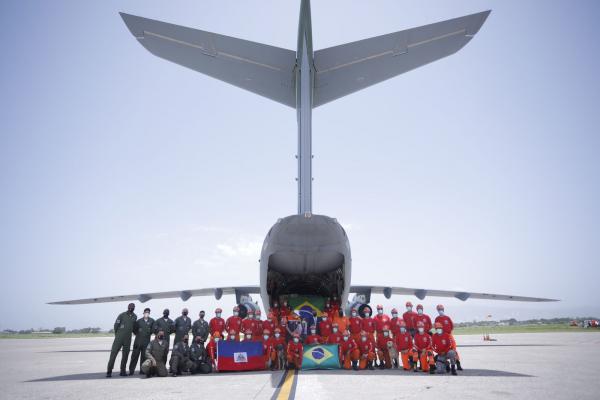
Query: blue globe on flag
318,353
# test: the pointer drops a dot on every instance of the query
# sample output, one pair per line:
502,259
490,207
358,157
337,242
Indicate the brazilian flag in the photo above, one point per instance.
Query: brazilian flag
321,356
305,305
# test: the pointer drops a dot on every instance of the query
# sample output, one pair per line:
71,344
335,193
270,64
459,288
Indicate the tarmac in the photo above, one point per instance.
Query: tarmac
516,366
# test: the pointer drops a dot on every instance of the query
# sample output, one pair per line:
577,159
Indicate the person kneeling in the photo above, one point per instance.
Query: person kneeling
201,362
180,357
295,350
156,356
442,345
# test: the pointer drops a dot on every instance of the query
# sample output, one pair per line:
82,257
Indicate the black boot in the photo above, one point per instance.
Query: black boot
447,367
381,364
458,367
432,370
131,372
123,373
355,365
453,368
108,374
370,366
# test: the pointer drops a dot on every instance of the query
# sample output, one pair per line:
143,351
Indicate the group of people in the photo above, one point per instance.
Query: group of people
410,341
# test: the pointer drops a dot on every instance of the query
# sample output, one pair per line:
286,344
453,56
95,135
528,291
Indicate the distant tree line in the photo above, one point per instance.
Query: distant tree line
514,322
57,331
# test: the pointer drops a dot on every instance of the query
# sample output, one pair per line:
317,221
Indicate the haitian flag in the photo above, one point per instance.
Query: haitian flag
240,356
321,356
305,305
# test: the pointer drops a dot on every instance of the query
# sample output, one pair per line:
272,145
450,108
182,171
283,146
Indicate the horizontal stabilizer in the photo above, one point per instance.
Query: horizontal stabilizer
259,68
345,69
388,291
182,294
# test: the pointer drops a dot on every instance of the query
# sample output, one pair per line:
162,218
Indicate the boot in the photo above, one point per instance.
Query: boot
131,372
453,368
432,370
370,366
108,374
447,367
458,367
381,365
355,365
149,373
123,373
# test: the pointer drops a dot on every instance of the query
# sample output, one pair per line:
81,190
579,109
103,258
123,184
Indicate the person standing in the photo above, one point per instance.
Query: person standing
381,320
123,329
183,325
355,325
409,318
217,324
200,328
424,318
234,323
295,351
368,324
143,333
167,326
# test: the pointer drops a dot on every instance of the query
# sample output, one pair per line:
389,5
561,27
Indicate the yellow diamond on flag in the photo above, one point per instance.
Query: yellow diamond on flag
318,355
308,307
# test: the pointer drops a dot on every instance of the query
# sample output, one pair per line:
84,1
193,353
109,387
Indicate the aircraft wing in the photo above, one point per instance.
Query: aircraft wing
182,294
388,291
259,68
344,69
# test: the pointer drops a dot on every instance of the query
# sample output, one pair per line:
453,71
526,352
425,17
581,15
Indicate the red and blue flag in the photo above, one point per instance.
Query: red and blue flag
240,356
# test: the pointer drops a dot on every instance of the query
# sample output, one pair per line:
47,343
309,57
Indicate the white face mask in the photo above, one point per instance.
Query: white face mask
403,329
235,313
277,335
335,330
421,330
146,315
439,331
367,315
257,317
354,314
217,339
313,332
420,312
379,312
409,309
394,315
248,337
385,334
266,337
441,312
364,339
295,340
345,338
218,315
324,318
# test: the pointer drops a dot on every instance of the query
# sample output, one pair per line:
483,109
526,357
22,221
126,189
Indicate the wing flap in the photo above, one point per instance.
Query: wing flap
344,69
259,68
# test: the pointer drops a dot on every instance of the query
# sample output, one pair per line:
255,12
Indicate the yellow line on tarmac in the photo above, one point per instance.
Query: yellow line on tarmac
287,391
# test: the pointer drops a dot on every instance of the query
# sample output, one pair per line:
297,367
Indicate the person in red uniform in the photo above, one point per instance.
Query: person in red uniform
280,347
336,336
410,318
448,327
269,323
269,352
349,353
385,361
355,325
366,348
325,328
313,338
233,335
211,349
442,345
381,320
286,310
249,323
422,342
368,323
424,318
276,311
395,323
259,326
217,324
234,322
327,309
404,345
334,305
295,350
248,336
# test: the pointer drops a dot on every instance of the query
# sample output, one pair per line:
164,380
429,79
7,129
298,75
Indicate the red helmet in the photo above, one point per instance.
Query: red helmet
363,333
257,312
394,311
296,335
236,308
438,325
420,324
266,332
346,332
440,307
401,323
218,310
379,307
408,304
232,332
277,330
385,328
419,306
217,335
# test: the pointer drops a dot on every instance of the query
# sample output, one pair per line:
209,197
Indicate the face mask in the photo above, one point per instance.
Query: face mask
235,314
345,338
324,318
441,312
367,315
248,337
421,330
409,309
266,337
166,315
218,315
146,314
295,340
385,334
277,335
258,317
217,339
201,316
379,312
313,332
364,339
335,330
198,341
394,315
439,330
403,329
420,312
160,337
185,313
354,314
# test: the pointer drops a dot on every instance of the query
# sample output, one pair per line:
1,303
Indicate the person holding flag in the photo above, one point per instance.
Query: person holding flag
349,353
366,348
295,351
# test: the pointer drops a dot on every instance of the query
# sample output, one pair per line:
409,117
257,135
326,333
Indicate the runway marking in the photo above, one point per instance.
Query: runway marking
286,390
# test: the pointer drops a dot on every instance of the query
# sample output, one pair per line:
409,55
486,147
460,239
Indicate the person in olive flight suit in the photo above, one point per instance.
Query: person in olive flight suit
201,361
183,325
143,332
200,328
166,325
123,330
156,356
180,357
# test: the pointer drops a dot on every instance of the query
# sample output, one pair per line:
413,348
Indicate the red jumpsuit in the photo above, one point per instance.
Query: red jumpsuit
249,325
410,318
216,325
313,339
395,326
335,338
269,353
424,318
380,321
423,346
448,327
294,354
404,345
355,326
268,325
366,352
325,329
369,326
382,350
211,349
234,323
348,353
441,343
258,333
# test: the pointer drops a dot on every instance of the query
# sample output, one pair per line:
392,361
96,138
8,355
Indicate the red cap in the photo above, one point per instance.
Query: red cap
408,304
438,325
266,332
394,311
440,307
379,307
236,308
232,332
420,324
277,330
363,333
346,332
419,306
385,328
218,310
217,334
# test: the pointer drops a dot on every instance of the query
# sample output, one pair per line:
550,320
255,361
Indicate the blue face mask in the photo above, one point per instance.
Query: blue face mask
403,329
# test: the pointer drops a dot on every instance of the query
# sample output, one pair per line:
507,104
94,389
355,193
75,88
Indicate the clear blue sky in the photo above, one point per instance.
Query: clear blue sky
123,173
